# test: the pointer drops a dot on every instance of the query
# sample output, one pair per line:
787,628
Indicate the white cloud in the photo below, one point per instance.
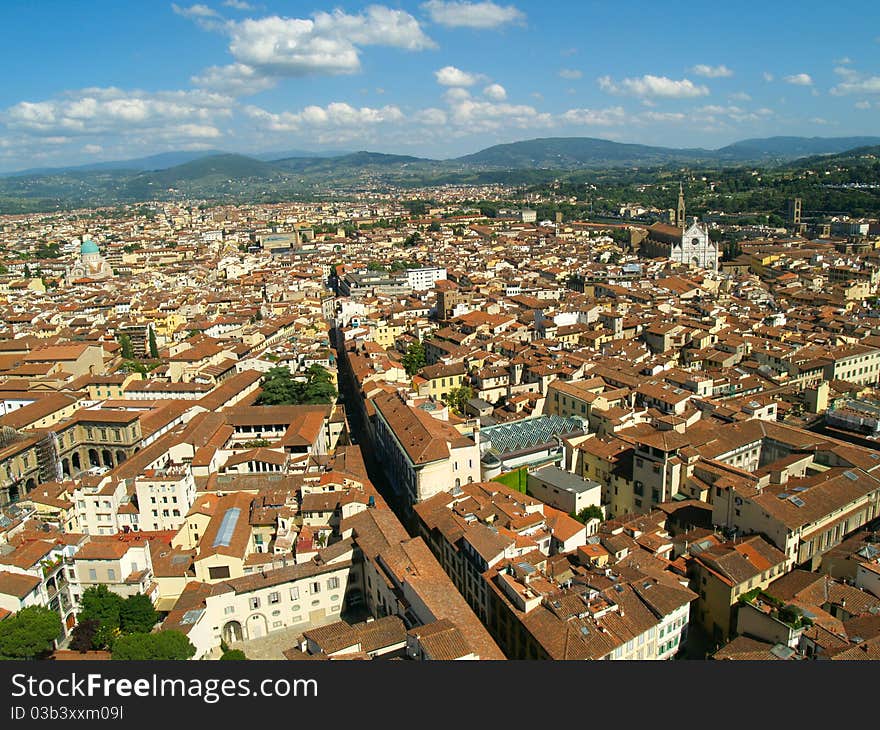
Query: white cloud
236,79
456,94
195,11
867,85
844,60
767,76
469,115
205,17
863,104
93,149
495,92
113,112
480,15
452,76
432,117
238,5
336,115
653,86
740,96
662,117
712,72
328,43
571,73
799,79
595,117
376,26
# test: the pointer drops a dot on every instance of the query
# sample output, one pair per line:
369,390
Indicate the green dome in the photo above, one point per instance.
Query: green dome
88,246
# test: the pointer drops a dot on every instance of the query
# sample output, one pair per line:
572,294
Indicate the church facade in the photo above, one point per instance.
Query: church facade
689,245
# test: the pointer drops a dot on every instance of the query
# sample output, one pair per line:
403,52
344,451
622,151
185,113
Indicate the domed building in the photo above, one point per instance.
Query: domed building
90,263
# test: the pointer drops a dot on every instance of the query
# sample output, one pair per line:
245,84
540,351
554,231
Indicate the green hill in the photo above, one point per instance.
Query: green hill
574,152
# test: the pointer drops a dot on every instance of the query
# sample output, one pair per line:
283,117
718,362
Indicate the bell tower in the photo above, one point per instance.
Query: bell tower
680,220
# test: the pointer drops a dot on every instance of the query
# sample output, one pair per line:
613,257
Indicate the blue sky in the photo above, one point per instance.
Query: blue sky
109,80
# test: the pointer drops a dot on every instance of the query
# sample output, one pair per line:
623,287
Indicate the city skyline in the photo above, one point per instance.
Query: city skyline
436,79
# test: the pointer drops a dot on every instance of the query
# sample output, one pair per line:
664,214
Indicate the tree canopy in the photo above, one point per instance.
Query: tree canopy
279,388
414,359
29,633
127,349
458,398
233,655
136,614
109,615
161,646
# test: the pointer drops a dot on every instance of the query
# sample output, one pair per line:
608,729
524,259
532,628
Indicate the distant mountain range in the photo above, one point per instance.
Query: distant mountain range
218,174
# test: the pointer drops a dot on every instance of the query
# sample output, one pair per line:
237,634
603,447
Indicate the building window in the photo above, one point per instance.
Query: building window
111,574
229,609
255,603
218,573
93,574
294,594
332,583
275,597
315,588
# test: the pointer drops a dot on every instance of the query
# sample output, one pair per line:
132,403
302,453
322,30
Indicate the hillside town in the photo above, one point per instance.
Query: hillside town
365,429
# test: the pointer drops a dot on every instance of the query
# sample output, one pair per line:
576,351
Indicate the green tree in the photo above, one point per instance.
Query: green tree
100,604
137,615
30,633
319,387
154,347
279,388
161,646
127,349
413,239
589,513
434,227
233,655
414,359
732,250
458,398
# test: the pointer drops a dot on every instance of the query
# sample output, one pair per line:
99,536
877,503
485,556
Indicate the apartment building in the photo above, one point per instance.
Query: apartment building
422,455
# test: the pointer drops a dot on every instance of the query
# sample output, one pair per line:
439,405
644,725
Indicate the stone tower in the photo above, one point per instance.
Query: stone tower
680,221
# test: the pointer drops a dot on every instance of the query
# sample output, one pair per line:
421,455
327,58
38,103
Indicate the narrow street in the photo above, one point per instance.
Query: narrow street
360,434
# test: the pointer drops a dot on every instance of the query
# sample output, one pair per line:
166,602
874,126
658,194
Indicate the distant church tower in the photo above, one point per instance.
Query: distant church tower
680,221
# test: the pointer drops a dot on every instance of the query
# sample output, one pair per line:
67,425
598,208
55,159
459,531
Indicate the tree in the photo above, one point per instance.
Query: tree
127,349
319,388
413,239
82,638
233,655
100,604
30,633
137,615
154,347
414,359
458,398
434,227
588,513
732,250
279,388
161,646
